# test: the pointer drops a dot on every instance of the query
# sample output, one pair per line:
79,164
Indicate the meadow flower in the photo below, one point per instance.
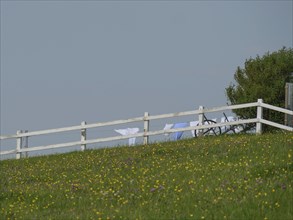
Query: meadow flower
161,181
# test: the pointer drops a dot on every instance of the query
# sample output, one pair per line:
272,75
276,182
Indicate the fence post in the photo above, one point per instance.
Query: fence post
18,144
259,116
83,136
25,145
145,128
200,120
286,102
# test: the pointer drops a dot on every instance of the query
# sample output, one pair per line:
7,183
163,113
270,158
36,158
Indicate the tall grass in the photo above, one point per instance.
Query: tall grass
224,177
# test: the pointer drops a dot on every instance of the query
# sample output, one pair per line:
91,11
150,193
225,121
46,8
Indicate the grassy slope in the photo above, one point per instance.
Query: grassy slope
226,177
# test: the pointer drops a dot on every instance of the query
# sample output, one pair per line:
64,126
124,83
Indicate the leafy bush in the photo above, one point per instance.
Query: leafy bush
262,77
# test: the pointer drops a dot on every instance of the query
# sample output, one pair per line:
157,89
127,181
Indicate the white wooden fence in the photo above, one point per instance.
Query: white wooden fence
21,136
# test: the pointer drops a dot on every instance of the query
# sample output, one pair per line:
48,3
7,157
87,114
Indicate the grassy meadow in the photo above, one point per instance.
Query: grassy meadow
223,177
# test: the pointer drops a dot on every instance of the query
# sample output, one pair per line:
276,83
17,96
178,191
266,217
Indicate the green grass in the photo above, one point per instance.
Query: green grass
224,177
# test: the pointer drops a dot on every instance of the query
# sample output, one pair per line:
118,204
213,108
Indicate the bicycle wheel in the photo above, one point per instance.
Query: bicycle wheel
211,131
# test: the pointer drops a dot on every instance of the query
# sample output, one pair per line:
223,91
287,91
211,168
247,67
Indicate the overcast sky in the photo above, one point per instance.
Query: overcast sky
72,61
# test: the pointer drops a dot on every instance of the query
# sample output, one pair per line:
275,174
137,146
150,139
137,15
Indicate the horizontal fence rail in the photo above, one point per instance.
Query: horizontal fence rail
72,128
19,150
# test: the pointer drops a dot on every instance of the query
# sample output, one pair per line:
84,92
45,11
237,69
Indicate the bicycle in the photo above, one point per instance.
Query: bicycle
208,131
234,128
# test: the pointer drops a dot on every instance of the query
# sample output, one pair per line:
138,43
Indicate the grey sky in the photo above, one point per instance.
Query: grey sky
65,62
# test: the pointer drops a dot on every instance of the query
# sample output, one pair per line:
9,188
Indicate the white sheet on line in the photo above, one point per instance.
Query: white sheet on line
193,123
177,135
167,127
128,131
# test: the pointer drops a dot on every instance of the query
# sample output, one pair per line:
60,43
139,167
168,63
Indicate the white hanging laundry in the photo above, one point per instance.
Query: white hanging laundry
177,135
167,127
192,124
128,131
131,141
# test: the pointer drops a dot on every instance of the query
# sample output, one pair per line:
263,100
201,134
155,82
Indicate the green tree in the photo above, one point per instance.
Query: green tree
262,77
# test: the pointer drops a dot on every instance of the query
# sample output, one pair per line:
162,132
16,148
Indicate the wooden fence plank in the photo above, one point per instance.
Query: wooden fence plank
274,124
141,134
124,121
8,152
72,128
230,107
18,145
83,136
146,133
146,128
286,111
259,114
172,115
